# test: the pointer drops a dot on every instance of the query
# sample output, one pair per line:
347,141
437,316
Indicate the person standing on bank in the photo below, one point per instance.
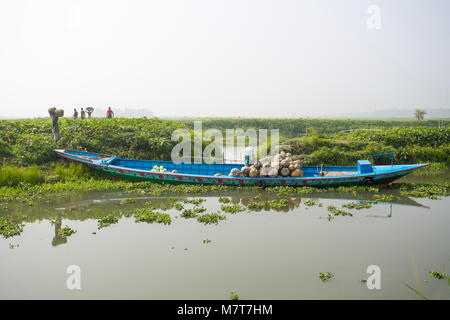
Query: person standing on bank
89,111
109,113
82,114
55,114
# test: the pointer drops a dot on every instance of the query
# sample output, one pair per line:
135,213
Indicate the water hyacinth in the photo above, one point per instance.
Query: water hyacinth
106,221
232,208
66,231
9,228
149,216
211,218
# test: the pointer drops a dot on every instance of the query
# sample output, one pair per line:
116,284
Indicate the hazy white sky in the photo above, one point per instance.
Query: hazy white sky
223,57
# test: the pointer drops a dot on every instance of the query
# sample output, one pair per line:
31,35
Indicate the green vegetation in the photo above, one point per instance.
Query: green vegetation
127,201
149,216
268,204
383,198
72,171
192,213
431,191
31,141
234,296
106,221
434,169
298,127
188,213
224,200
438,275
324,276
234,208
257,206
9,227
195,202
211,218
311,202
66,231
206,241
419,114
13,176
409,145
27,192
25,142
338,212
357,205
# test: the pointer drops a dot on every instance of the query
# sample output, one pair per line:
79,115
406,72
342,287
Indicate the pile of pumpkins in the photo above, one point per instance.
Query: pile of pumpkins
161,169
281,165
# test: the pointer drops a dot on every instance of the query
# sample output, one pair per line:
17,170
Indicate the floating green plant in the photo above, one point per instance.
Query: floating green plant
9,228
211,218
253,205
127,201
431,191
149,216
273,204
189,213
438,275
357,205
179,206
311,202
383,198
280,204
106,221
363,280
325,276
234,296
206,241
195,202
66,231
338,212
199,209
224,200
234,208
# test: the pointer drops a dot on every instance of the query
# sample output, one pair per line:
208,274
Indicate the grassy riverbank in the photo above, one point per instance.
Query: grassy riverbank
26,146
26,142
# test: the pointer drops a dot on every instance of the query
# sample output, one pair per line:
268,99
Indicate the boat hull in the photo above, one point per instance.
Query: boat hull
105,165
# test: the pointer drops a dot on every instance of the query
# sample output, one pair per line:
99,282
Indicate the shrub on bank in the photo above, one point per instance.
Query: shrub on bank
12,176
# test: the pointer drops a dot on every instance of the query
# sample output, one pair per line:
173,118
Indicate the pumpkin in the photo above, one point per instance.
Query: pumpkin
245,171
297,173
253,172
235,172
284,172
273,172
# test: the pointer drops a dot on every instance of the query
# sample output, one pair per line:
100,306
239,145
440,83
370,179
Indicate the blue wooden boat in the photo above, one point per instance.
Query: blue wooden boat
215,174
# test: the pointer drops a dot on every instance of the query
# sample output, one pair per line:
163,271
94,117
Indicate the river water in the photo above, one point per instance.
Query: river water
267,254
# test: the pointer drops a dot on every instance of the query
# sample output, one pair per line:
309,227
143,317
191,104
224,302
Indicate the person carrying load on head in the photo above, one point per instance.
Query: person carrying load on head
89,111
55,114
109,113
